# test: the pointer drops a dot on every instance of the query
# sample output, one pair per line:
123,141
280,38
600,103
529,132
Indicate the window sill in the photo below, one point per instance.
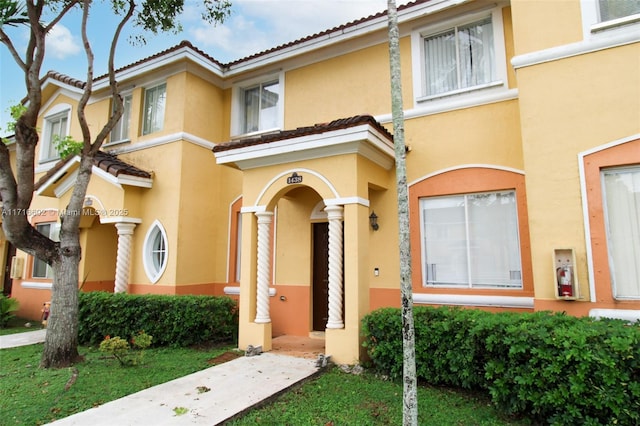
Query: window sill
459,92
116,143
37,285
256,133
471,300
615,23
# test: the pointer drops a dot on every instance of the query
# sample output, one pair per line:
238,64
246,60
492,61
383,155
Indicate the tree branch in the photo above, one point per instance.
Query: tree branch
88,88
115,90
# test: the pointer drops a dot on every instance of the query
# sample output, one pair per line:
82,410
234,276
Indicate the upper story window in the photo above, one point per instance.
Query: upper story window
56,127
471,241
40,268
120,132
615,9
460,55
154,106
603,15
258,106
459,58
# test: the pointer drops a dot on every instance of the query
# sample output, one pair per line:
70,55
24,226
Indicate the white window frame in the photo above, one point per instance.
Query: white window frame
612,260
418,57
145,129
237,103
515,276
54,234
592,26
54,114
154,273
126,115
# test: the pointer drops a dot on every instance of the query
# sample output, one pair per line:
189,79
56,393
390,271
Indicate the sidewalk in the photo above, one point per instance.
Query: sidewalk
208,397
22,339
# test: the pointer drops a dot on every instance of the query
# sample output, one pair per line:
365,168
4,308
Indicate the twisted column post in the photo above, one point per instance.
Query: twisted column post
264,266
123,259
336,248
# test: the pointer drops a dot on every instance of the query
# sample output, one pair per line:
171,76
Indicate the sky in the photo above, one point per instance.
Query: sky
254,26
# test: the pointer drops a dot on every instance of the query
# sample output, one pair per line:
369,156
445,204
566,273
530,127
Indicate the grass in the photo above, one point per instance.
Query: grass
17,325
30,395
339,398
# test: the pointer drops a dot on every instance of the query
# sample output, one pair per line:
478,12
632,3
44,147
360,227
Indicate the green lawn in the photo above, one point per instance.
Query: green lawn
17,325
30,395
338,398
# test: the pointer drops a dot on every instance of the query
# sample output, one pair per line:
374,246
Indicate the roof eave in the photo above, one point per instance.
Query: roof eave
363,139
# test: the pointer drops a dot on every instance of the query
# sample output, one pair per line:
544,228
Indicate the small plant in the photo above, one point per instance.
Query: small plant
127,354
7,308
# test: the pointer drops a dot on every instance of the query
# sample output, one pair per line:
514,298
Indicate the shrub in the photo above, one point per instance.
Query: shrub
177,321
7,307
125,354
549,367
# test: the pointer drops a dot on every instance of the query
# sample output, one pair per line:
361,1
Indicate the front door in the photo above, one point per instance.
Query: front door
320,292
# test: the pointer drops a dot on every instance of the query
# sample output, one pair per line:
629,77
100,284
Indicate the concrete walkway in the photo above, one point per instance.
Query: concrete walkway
208,397
22,339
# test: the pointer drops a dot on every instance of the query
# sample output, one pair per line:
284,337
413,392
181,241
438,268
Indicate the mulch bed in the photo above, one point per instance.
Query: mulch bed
222,358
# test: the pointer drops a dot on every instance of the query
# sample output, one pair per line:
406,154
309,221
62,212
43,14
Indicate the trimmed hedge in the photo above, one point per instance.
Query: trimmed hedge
549,367
177,321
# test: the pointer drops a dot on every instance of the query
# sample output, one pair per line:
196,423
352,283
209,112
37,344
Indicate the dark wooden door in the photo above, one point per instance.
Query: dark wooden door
320,276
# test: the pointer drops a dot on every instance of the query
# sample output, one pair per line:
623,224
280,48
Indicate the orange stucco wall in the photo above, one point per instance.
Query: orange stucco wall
292,315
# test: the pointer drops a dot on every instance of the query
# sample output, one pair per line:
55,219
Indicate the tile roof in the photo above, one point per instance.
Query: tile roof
186,44
316,129
103,160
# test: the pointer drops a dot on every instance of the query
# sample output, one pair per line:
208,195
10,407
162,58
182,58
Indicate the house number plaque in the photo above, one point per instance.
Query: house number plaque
294,178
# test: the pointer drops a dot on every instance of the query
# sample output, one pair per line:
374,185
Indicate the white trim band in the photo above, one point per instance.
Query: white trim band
463,300
623,314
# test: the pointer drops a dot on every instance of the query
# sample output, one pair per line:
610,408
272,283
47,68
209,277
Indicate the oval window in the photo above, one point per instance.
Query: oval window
155,252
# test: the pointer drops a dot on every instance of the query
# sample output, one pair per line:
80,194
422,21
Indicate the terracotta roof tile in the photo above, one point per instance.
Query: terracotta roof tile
113,165
65,79
105,161
342,123
342,27
187,44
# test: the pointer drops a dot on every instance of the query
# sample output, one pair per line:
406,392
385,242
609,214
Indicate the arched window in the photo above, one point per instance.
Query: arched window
155,252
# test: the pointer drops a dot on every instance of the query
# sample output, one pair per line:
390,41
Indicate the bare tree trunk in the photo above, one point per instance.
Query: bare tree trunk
410,395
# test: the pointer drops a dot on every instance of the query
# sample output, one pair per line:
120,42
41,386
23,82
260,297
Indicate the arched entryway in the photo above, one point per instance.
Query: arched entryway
291,256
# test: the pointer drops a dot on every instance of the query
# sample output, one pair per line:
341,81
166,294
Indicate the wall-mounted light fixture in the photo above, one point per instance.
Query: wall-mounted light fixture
373,221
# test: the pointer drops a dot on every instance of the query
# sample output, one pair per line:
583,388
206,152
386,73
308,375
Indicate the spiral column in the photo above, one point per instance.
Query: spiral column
123,259
264,266
336,248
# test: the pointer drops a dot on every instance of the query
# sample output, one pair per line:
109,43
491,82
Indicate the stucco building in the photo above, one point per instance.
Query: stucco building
259,178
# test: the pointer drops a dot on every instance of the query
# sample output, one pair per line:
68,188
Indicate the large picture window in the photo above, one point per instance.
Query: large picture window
154,106
471,241
460,58
40,268
621,189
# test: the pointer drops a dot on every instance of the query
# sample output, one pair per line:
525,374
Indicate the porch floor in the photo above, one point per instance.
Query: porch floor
298,346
